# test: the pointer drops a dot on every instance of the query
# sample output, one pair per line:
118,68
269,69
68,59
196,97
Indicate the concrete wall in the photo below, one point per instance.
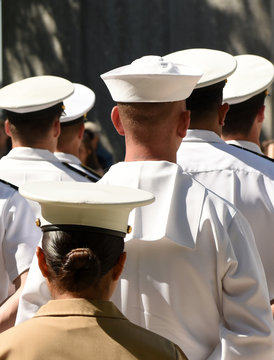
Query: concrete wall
80,39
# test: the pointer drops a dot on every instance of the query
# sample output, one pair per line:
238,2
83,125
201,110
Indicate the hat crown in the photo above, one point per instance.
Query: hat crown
253,75
216,65
151,79
35,93
85,204
78,104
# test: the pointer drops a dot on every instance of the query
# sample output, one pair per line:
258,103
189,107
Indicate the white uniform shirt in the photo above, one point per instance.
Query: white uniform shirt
243,178
75,162
249,145
19,237
25,164
194,274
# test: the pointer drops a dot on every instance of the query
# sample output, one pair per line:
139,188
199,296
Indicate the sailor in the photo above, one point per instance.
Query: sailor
239,176
72,130
34,106
193,273
81,258
245,93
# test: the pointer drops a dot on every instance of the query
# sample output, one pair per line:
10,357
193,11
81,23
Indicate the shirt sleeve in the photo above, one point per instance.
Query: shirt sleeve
21,236
247,331
34,295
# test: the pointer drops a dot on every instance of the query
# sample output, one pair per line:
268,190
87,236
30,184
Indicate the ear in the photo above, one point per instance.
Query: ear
183,123
260,115
119,267
81,132
115,117
42,262
7,128
56,128
222,111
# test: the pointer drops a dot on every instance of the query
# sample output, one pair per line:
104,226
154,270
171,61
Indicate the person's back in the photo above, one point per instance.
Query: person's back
245,93
241,177
72,131
192,256
33,125
85,329
82,259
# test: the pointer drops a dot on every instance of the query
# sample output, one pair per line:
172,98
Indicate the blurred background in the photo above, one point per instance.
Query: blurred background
81,39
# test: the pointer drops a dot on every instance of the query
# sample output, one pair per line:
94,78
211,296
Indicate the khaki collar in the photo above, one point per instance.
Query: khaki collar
80,307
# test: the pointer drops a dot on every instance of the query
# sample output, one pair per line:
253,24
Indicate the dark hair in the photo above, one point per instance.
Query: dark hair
31,127
240,117
204,100
78,259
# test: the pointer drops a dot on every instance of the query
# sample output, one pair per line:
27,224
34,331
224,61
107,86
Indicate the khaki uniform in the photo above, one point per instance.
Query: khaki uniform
83,329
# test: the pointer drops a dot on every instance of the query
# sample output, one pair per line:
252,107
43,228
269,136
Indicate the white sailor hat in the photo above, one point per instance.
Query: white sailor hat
216,65
151,79
85,204
35,93
78,104
253,75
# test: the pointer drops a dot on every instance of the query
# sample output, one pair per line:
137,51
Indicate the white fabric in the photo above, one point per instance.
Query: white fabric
151,79
247,145
19,237
25,164
78,104
85,204
35,93
216,65
253,75
243,178
194,274
75,162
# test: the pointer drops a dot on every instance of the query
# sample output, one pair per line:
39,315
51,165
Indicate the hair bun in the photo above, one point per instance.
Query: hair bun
80,259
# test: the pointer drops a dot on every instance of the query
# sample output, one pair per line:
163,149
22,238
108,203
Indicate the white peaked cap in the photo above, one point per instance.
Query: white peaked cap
216,65
35,93
151,79
253,75
85,204
78,104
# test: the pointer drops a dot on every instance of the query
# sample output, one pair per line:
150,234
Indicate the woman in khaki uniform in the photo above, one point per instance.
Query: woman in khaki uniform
82,258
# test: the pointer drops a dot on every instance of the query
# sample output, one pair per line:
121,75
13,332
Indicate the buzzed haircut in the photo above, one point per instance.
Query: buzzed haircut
240,117
33,126
144,118
68,132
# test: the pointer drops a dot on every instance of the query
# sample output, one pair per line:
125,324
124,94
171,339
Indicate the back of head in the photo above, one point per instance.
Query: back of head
205,101
245,93
78,259
33,104
84,225
70,132
207,95
145,121
241,116
33,127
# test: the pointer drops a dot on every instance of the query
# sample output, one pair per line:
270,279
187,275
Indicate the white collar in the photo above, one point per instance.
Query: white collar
168,217
202,136
28,153
68,158
249,145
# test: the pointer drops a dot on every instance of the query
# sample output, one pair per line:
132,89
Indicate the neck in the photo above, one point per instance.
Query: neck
40,145
144,153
